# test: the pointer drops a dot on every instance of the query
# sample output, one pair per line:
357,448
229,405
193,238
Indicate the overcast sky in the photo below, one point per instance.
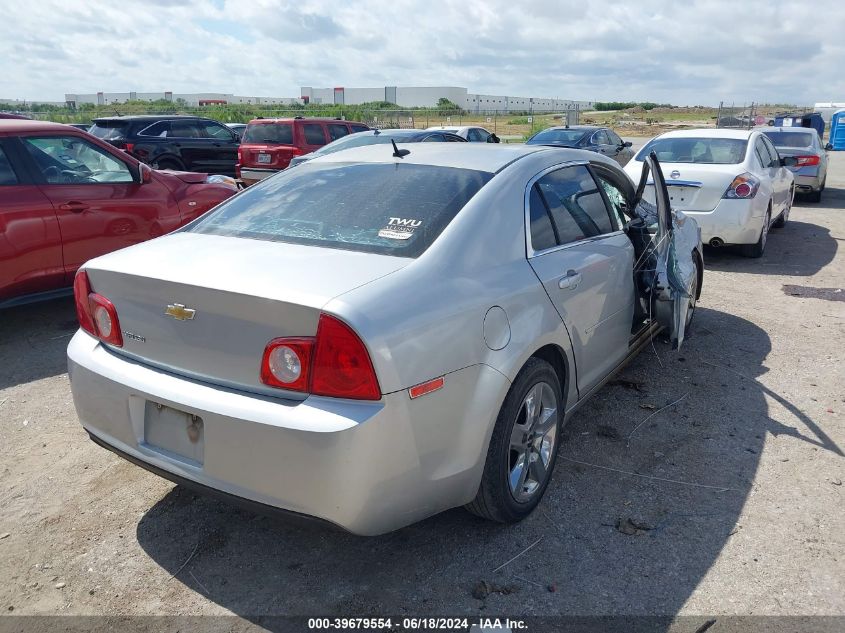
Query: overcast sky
686,52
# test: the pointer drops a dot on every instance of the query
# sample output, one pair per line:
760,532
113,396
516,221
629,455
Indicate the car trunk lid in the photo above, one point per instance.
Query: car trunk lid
202,308
696,187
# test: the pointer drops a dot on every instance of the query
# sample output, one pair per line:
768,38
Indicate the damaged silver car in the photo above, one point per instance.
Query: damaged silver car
382,333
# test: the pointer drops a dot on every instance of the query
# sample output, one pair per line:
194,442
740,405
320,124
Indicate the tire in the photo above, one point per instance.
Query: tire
783,218
168,163
506,494
696,293
756,250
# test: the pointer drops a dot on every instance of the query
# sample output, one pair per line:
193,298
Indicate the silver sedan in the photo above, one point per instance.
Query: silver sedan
382,333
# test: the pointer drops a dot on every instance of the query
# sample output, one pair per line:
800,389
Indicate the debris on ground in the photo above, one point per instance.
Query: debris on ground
646,405
632,527
4,535
484,589
628,384
603,430
835,482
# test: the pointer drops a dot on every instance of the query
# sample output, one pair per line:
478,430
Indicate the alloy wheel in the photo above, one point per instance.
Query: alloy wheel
533,442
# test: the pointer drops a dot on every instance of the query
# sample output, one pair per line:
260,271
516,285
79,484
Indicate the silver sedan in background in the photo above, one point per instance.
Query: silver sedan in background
803,144
382,333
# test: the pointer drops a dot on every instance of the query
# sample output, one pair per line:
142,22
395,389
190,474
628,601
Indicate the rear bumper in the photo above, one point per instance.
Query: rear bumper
732,222
253,174
807,183
368,467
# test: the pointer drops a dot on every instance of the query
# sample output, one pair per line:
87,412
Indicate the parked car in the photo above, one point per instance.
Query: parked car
804,145
269,144
733,182
380,137
379,335
9,115
472,133
177,142
66,197
237,128
595,139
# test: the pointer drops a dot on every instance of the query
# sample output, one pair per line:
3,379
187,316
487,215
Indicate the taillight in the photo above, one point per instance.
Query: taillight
97,315
287,363
128,147
806,161
296,151
335,363
743,186
240,156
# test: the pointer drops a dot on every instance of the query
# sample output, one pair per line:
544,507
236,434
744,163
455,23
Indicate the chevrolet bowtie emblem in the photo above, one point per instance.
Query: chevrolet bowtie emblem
179,312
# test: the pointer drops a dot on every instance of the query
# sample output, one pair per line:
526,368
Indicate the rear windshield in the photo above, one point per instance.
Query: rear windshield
270,133
390,209
709,151
791,139
355,140
557,136
109,130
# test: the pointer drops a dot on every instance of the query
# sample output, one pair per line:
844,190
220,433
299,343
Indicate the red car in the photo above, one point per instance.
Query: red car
66,197
267,145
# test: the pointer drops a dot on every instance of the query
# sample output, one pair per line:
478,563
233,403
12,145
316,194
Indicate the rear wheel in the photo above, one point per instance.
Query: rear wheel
756,250
523,447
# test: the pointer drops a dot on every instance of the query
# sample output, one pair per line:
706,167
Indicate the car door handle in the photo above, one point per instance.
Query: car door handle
570,280
74,207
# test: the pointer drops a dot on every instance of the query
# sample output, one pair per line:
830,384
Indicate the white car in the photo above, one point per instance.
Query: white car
472,133
733,182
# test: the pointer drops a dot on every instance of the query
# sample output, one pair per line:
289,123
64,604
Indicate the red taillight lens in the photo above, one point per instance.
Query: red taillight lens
96,314
81,290
342,366
335,363
806,161
128,147
296,151
240,156
743,186
287,363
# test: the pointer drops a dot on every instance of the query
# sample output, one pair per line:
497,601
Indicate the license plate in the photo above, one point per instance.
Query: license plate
681,195
265,158
174,432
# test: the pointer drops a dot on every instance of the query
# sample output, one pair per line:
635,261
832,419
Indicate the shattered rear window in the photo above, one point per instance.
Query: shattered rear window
705,151
390,209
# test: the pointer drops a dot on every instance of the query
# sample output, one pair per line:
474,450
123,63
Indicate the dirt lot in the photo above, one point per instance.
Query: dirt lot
728,502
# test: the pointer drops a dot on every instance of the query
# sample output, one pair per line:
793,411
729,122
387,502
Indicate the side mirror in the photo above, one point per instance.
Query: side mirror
788,161
493,139
145,172
829,146
627,144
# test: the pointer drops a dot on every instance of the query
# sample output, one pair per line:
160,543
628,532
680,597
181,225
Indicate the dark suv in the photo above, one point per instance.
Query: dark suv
183,143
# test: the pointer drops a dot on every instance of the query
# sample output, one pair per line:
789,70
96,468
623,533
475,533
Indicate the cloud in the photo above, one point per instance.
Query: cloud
694,52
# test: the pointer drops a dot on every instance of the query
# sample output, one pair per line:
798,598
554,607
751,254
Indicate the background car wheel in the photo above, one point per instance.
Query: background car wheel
168,163
756,250
783,218
523,447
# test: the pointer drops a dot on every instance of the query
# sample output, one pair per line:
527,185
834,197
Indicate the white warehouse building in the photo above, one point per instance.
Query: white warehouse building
430,95
404,96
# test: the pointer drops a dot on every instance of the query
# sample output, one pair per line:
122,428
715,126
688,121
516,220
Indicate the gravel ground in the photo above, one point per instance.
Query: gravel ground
750,523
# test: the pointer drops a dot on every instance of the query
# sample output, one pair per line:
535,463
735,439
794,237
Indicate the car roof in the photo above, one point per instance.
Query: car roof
486,157
291,119
30,125
711,132
585,128
150,117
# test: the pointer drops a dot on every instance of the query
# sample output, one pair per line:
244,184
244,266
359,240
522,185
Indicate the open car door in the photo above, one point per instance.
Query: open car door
668,270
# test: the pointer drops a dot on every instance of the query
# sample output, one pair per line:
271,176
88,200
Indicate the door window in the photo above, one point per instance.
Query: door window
314,134
773,152
616,198
600,138
576,205
184,129
613,137
212,129
434,138
7,174
73,160
762,153
476,135
358,128
337,131
542,231
161,129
